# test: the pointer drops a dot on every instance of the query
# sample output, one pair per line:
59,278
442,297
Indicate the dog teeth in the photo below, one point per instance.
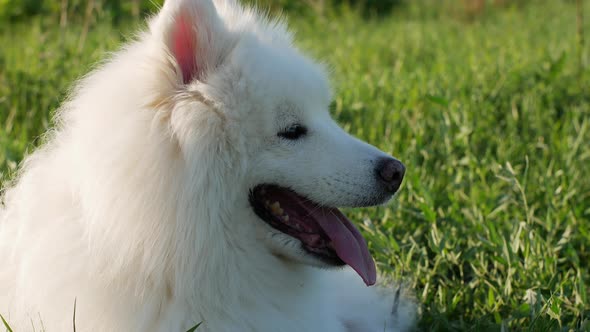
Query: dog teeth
276,210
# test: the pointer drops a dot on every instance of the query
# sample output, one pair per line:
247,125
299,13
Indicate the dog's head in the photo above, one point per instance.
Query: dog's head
246,97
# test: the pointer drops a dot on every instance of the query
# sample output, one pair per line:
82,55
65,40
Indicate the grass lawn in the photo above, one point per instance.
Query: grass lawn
491,117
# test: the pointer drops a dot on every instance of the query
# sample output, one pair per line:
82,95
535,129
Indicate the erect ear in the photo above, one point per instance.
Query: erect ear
194,35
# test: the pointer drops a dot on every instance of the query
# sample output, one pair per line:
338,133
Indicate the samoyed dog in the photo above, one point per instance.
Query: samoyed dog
195,178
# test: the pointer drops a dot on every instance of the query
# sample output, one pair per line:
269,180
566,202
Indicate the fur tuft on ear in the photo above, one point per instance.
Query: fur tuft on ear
194,35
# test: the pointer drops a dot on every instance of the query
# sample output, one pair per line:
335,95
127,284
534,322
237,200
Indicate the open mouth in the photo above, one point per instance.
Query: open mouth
324,232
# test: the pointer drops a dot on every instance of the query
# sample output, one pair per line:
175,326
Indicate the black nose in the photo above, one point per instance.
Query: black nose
391,173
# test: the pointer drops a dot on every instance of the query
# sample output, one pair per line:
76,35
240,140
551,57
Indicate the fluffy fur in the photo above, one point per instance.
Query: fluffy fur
137,206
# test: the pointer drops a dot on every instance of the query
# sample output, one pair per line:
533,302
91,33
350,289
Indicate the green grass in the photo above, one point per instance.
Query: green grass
491,117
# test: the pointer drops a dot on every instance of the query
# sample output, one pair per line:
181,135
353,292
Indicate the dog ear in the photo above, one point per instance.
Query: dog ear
194,35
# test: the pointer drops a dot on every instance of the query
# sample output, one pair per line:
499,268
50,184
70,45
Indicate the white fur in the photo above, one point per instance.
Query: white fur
137,205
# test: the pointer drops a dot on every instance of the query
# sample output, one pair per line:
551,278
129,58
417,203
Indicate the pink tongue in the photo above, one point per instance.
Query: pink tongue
348,242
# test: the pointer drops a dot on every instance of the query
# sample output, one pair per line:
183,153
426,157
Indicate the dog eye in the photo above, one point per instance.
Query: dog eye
293,132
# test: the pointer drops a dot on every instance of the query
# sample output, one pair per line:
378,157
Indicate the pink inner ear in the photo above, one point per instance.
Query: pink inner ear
184,48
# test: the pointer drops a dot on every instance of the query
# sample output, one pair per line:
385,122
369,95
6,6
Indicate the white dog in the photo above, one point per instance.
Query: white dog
194,178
